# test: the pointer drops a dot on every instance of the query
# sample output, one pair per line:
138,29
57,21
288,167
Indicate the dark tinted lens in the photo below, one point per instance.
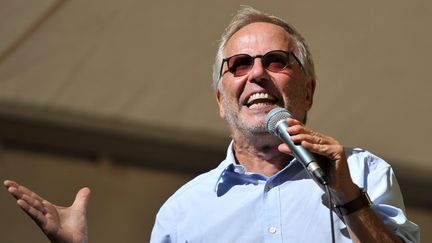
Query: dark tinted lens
240,64
275,60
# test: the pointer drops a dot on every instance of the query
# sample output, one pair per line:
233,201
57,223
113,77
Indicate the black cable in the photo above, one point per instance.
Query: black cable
330,205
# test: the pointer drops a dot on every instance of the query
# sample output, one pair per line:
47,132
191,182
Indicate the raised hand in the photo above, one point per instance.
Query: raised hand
59,224
336,164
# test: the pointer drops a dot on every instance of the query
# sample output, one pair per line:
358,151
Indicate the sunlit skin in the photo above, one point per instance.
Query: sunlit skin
60,224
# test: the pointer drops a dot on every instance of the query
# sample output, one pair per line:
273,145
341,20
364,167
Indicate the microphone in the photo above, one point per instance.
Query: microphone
276,124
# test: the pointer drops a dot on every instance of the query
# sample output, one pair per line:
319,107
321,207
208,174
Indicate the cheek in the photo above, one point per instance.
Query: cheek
300,85
295,94
225,99
293,89
234,86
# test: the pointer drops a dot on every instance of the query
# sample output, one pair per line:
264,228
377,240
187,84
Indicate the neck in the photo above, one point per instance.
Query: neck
259,153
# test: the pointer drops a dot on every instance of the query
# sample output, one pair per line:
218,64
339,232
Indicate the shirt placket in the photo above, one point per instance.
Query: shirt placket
271,213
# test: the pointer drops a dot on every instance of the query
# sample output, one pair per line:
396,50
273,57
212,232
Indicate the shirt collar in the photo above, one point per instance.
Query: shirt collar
232,174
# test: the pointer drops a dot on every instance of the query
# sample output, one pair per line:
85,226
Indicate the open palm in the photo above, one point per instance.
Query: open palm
60,224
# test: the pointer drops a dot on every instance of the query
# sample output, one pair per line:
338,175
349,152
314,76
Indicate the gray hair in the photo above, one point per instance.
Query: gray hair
248,15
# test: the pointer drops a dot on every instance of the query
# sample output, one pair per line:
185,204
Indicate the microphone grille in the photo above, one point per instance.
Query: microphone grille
274,116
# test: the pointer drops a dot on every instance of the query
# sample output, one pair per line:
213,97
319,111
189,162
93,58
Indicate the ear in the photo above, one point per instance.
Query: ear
219,101
310,90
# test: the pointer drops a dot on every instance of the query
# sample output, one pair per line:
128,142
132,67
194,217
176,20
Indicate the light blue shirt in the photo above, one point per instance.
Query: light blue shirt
230,205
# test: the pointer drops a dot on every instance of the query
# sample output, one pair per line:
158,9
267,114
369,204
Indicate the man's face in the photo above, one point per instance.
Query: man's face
244,101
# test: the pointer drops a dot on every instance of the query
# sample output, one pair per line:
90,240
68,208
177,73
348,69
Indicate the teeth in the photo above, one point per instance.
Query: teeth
258,105
267,98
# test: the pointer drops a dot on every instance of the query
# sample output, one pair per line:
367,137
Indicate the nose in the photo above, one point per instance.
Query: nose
258,72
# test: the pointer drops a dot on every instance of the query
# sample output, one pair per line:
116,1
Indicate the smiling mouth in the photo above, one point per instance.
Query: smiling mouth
260,99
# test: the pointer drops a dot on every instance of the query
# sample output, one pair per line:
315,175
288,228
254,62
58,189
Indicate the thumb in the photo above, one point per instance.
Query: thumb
81,199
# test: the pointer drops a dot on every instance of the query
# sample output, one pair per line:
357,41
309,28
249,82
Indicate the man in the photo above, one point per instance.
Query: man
260,193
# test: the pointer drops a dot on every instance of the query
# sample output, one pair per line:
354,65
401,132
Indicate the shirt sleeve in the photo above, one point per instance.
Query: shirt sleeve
380,182
164,229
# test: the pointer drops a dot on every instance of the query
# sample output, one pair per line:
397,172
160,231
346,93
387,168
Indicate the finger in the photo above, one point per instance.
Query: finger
81,199
284,148
333,152
292,122
9,183
12,188
296,129
26,191
14,192
35,214
299,129
314,138
23,193
52,211
299,139
34,202
20,192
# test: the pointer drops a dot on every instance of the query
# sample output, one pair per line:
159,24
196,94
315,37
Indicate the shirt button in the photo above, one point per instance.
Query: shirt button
239,171
270,185
272,230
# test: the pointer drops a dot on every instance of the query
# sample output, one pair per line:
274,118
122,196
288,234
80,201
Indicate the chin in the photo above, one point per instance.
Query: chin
255,128
249,122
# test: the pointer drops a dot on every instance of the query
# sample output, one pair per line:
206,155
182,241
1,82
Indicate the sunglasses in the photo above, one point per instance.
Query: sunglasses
274,61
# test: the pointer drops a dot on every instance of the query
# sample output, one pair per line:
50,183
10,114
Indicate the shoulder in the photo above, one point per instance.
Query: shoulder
177,205
367,169
199,189
364,159
205,182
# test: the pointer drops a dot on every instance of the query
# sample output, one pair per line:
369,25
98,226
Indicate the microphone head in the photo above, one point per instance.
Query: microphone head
274,116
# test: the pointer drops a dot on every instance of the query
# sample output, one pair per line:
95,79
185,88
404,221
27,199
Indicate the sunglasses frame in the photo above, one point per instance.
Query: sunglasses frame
288,53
